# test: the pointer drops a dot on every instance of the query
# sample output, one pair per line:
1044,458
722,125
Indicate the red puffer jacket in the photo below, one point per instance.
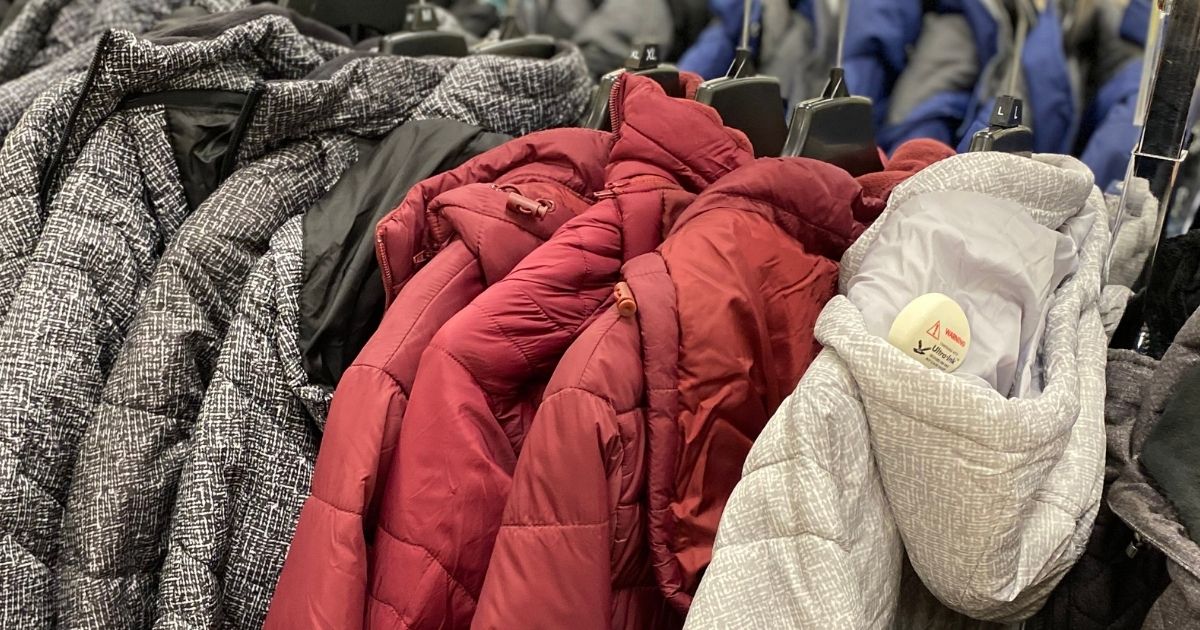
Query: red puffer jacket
648,418
480,380
481,219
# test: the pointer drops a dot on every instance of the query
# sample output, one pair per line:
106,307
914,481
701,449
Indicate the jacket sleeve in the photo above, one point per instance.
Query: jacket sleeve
438,520
324,580
550,567
806,540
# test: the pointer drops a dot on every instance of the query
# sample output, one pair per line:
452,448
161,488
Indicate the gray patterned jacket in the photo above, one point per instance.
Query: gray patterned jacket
123,489
116,208
43,147
51,40
254,442
1140,388
875,455
252,457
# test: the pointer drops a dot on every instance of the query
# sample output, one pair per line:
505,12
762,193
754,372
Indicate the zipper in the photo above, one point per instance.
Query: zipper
616,97
385,269
610,191
89,82
249,107
1166,550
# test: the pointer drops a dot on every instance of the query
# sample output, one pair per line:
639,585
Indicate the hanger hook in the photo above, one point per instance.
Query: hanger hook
843,24
1025,11
745,38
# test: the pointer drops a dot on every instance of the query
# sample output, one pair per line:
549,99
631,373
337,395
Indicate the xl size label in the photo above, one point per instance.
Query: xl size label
932,329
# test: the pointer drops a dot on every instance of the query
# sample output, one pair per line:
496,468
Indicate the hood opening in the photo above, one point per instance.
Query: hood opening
205,129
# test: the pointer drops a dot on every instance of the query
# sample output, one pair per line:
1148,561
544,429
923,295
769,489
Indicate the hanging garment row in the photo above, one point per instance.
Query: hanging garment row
297,331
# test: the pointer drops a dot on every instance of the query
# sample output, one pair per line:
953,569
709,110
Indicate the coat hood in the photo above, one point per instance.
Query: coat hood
969,472
829,211
445,206
791,218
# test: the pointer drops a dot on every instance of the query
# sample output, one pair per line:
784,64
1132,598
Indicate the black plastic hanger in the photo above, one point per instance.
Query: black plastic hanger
420,36
836,127
515,43
746,100
643,60
1006,132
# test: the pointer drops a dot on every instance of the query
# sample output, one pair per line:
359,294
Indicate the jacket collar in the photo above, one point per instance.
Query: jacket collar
366,97
1053,188
675,139
816,203
441,207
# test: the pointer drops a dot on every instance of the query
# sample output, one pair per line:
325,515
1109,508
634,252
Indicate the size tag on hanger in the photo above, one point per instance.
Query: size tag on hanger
932,329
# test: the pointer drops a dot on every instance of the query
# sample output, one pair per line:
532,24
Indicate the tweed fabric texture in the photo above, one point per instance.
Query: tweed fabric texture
26,156
103,232
30,32
34,57
100,241
132,451
123,486
124,489
991,498
1133,496
255,444
261,418
235,60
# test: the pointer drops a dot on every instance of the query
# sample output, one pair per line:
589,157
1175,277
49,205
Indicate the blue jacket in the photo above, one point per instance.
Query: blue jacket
1107,126
1049,99
712,53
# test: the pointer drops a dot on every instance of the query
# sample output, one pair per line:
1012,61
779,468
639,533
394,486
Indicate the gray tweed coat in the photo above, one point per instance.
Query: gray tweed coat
1148,385
44,146
123,488
117,206
254,442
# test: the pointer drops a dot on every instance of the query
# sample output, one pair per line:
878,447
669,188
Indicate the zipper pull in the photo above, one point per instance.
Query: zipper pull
626,305
608,192
1135,545
537,208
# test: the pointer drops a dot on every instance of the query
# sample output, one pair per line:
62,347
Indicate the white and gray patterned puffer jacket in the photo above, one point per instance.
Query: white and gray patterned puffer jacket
81,266
254,444
137,439
43,147
875,456
133,183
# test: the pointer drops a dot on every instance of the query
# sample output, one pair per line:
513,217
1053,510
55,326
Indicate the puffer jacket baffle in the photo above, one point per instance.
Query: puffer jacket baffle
992,497
465,221
647,418
480,379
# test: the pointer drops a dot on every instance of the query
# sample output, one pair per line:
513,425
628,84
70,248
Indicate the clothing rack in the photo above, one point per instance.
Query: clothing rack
1161,148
